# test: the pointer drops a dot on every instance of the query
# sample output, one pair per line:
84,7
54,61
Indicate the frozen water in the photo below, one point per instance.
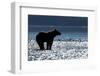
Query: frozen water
73,49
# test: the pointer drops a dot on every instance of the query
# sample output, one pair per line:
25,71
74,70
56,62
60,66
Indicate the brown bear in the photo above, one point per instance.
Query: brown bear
47,37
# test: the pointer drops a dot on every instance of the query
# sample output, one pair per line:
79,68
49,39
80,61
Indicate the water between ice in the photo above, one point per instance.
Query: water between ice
63,36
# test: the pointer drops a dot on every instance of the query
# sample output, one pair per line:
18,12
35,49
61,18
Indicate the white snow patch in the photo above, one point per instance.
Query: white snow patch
60,50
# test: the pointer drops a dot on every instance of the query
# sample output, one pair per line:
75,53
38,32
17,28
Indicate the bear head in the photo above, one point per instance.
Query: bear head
57,32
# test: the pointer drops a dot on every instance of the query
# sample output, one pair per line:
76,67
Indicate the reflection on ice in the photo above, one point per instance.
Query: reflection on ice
69,49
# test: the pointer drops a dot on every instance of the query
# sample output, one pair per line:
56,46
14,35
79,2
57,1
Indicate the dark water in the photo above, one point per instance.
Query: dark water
63,29
63,36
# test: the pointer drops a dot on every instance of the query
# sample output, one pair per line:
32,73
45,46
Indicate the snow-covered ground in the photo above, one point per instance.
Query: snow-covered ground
75,49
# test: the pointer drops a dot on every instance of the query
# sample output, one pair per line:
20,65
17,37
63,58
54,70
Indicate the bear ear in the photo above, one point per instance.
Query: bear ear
54,29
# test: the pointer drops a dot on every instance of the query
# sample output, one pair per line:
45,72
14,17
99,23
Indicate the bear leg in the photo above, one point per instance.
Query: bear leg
41,45
49,45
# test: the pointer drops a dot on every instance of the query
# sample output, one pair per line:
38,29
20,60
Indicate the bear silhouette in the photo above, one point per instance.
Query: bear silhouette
47,37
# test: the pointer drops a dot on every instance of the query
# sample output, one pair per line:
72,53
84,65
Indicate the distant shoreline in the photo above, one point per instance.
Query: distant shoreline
71,40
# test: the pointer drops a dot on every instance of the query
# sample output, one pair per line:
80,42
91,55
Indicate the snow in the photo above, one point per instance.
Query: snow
75,49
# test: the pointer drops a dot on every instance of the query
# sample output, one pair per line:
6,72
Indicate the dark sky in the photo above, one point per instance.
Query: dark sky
38,23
